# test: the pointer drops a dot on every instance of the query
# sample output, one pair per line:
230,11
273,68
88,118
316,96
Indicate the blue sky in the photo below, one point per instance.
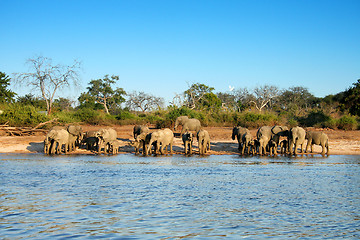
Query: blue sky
162,47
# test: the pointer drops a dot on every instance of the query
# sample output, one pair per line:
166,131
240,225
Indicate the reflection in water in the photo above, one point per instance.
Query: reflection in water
129,197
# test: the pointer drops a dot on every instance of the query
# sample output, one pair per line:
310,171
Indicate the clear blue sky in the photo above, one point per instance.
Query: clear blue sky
162,46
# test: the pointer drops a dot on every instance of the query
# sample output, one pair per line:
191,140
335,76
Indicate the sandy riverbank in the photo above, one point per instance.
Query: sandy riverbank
340,142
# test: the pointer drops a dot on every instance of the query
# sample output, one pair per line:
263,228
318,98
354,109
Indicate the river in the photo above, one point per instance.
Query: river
178,197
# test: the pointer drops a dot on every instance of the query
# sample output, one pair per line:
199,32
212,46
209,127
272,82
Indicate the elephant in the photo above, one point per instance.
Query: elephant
252,146
318,138
203,139
188,142
238,133
188,124
54,141
272,147
140,142
246,140
113,146
284,146
105,135
138,129
75,136
163,138
266,133
296,138
90,140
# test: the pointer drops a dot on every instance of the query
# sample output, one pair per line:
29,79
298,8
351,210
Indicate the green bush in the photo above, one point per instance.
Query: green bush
347,122
255,120
123,115
314,118
22,115
88,115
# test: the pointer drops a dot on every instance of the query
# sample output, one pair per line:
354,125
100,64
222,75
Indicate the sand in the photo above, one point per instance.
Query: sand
340,142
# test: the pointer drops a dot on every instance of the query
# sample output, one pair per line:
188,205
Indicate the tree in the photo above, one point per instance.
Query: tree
144,101
296,98
63,104
243,98
195,93
210,101
48,78
30,99
6,95
351,99
102,92
264,95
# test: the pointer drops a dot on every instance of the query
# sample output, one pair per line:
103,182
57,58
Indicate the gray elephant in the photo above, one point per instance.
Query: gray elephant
188,124
238,133
75,136
140,142
90,140
246,143
54,141
163,138
105,135
188,142
138,129
203,139
284,146
272,147
296,138
266,133
113,146
318,138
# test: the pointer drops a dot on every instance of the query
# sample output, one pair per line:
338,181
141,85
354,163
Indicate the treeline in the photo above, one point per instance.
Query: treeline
102,103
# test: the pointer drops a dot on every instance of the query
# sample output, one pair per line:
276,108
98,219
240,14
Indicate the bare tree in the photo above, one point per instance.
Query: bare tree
48,78
264,95
143,101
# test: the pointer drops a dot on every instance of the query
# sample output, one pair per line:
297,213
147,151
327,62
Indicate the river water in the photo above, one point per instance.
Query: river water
178,197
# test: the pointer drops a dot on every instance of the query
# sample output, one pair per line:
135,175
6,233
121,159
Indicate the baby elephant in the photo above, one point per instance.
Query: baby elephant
188,142
318,138
203,138
113,146
284,146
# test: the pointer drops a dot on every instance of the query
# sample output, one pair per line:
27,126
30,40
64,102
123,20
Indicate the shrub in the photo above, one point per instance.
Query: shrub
314,118
123,115
347,122
22,115
88,115
255,120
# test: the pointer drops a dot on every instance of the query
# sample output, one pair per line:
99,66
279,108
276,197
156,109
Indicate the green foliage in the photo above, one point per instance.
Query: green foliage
210,101
88,115
351,99
314,118
347,122
30,99
101,91
22,115
123,115
6,95
255,120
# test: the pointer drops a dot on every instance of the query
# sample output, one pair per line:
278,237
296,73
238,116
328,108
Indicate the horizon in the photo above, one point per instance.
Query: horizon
162,47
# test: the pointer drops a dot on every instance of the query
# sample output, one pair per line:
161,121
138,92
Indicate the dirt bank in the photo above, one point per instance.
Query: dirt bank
340,142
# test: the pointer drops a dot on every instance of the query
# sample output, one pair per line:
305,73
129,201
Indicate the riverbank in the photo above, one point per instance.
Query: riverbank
340,142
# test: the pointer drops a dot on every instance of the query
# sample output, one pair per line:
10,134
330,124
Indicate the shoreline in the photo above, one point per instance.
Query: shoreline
340,142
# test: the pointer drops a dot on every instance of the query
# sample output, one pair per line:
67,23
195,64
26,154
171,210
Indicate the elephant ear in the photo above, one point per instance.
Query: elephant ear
74,130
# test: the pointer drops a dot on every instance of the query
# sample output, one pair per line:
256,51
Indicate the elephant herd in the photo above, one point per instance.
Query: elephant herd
267,140
67,139
163,139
